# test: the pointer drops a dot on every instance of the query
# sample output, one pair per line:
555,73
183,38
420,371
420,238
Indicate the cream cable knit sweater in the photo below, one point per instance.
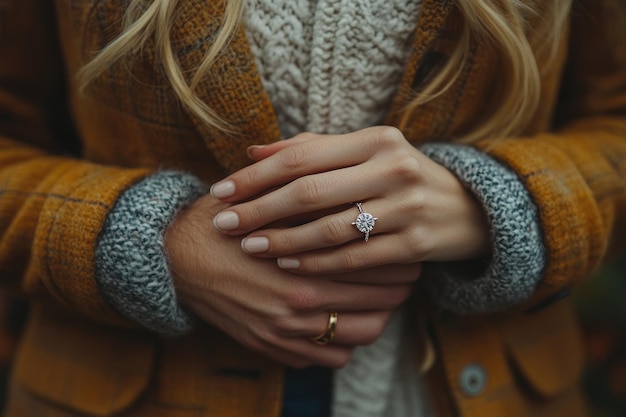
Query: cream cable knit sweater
332,66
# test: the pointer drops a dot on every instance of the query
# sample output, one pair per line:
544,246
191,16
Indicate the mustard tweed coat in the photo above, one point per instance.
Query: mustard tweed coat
65,158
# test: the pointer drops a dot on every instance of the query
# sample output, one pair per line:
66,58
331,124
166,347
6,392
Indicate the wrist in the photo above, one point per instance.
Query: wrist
187,239
131,263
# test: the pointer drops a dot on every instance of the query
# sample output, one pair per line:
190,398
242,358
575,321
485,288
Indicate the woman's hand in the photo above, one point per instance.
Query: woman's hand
272,311
424,213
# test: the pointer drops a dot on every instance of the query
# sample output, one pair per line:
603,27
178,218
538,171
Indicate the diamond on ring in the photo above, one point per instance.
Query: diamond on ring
365,222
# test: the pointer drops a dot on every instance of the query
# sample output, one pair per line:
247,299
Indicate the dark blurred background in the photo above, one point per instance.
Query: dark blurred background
601,304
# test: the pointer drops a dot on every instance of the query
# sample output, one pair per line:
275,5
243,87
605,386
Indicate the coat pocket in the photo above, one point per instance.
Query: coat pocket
545,348
82,366
513,365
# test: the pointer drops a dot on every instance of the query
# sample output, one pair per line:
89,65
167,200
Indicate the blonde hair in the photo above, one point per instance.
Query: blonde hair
503,23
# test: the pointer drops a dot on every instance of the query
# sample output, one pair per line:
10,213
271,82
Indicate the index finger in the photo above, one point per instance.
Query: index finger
306,158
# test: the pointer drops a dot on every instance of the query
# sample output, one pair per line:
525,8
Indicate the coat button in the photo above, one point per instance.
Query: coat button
473,380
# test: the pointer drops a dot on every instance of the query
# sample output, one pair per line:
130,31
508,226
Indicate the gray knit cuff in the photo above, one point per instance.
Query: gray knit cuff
518,254
131,263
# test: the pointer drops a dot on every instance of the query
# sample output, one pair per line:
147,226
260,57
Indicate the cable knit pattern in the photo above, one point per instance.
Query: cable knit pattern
331,66
518,255
131,263
281,35
381,379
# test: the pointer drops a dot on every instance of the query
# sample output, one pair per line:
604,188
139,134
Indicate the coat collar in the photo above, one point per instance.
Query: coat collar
431,22
234,88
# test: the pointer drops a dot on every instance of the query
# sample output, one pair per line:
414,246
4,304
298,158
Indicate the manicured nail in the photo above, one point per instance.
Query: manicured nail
288,263
226,221
255,244
223,189
250,149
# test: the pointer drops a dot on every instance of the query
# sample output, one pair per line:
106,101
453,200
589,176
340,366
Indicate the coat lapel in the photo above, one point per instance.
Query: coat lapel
431,23
233,88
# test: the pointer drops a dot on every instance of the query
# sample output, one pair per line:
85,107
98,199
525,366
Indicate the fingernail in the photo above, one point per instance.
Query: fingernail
288,263
250,149
226,221
255,244
223,189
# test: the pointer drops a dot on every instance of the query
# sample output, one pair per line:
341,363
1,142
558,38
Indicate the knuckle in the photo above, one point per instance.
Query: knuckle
280,242
293,158
413,207
406,168
247,176
313,265
390,135
419,244
333,231
253,214
303,298
350,261
415,203
287,325
308,191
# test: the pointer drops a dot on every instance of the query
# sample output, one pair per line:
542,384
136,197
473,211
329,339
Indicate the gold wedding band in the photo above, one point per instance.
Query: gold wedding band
329,333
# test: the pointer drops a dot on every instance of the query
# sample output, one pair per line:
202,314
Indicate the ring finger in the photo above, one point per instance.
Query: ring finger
326,232
304,195
352,329
386,249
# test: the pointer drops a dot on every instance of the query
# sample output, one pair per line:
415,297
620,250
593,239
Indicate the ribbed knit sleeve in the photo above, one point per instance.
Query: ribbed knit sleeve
131,263
518,256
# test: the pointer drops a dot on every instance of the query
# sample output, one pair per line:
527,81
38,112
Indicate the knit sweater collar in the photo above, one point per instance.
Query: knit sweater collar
331,66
